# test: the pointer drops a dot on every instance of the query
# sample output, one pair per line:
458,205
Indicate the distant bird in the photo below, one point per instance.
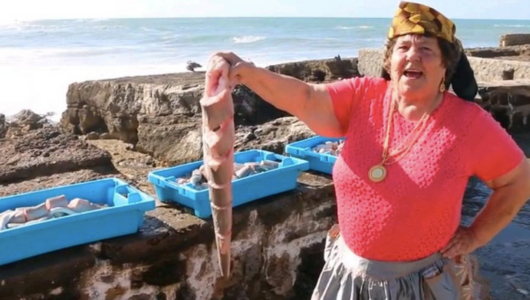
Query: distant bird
191,65
337,58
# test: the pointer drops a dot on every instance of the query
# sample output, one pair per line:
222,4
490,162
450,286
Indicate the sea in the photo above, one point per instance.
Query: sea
40,58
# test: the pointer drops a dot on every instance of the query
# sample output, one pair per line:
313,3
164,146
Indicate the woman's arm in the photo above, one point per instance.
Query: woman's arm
311,103
510,192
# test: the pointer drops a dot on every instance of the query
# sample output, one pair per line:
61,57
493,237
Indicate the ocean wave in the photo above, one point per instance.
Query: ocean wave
247,39
512,25
353,27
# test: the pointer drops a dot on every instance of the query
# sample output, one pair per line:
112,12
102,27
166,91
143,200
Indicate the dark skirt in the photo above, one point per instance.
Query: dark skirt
346,276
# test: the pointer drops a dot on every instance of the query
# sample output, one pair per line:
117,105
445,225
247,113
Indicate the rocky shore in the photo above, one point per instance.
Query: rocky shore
127,127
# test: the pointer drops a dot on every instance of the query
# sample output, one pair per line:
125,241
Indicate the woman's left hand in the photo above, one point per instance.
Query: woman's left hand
464,241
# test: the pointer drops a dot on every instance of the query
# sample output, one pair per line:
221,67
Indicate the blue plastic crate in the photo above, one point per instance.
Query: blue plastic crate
317,162
254,187
124,214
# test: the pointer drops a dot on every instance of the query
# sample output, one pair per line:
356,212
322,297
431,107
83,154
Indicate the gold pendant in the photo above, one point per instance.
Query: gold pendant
377,173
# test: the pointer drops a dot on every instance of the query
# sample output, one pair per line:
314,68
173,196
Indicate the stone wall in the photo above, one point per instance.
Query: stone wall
514,39
486,69
508,101
276,254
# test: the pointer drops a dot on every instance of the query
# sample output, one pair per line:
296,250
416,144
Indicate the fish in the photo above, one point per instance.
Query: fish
53,207
241,170
330,148
218,140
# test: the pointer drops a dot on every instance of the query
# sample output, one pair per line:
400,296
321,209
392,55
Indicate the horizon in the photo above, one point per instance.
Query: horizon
36,10
247,17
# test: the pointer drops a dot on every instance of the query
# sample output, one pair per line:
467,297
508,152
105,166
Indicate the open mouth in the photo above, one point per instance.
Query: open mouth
413,74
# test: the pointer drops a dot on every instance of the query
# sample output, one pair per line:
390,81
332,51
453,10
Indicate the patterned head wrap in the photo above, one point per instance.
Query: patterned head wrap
415,18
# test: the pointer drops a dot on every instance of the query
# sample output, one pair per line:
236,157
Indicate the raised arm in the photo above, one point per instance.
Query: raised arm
311,103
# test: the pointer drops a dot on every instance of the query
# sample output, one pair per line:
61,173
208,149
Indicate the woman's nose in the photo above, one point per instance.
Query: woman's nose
413,54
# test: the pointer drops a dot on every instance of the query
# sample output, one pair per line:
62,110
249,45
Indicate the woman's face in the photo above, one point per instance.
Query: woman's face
416,66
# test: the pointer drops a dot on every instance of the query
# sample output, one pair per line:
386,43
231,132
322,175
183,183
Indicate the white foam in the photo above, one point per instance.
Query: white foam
353,27
43,88
247,39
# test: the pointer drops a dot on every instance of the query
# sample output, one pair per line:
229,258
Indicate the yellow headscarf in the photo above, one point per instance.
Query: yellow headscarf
415,18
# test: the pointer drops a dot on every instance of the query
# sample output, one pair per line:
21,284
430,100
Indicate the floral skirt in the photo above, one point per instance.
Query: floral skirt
346,276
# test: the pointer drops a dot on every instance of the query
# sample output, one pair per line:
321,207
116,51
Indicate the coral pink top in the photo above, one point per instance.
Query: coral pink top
416,209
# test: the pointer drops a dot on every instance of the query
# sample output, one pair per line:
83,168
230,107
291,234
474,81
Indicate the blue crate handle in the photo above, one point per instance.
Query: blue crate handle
328,158
133,195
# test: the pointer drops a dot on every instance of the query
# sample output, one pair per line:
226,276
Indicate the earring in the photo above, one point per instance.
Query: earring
442,86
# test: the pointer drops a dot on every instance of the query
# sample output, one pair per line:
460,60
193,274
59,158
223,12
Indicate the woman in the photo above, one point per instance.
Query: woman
410,148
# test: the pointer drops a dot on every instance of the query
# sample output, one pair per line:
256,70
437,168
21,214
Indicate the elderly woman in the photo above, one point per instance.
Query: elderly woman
410,148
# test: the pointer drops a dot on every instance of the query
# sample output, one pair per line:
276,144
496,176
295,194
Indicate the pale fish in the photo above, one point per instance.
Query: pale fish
218,133
241,170
329,147
53,207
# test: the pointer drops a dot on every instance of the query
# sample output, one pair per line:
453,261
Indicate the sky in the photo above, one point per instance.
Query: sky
80,9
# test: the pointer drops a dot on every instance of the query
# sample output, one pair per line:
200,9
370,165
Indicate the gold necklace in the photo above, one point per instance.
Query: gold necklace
378,172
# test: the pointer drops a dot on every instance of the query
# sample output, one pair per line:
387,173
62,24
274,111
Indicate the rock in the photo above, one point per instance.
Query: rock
250,109
273,135
514,39
319,70
178,143
58,179
46,151
508,101
160,115
496,52
92,136
118,107
105,136
29,118
21,123
3,126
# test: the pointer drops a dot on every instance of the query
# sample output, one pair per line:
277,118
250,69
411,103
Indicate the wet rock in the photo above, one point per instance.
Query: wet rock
46,151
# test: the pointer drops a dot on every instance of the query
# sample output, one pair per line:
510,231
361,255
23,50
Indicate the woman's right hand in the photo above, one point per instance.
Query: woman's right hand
227,65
